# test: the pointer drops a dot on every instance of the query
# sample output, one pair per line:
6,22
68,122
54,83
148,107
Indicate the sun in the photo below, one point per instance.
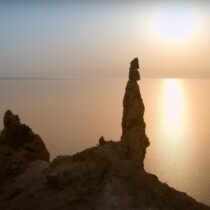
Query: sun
175,24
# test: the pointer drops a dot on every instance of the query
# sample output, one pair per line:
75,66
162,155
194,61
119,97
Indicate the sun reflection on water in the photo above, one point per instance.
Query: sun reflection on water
173,107
174,122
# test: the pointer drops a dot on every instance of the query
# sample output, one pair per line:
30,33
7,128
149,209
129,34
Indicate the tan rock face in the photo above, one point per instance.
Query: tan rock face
133,125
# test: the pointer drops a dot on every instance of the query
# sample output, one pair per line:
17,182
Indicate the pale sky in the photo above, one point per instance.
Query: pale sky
82,39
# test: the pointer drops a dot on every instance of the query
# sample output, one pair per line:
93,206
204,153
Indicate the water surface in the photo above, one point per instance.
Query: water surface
71,115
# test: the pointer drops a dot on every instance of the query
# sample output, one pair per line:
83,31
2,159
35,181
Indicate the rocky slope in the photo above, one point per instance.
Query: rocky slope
109,176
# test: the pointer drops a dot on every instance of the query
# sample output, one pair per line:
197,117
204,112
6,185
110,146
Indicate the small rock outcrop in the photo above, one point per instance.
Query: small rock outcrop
133,125
18,146
101,141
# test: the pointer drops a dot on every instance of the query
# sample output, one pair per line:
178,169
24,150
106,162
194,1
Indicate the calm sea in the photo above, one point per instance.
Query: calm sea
71,115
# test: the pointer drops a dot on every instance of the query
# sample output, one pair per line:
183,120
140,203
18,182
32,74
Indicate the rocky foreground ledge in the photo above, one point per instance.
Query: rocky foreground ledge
109,176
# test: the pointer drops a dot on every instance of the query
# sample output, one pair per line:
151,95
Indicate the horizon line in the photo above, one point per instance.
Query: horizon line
89,78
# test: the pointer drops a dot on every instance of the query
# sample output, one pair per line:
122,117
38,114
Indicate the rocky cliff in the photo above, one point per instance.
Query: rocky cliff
18,147
109,176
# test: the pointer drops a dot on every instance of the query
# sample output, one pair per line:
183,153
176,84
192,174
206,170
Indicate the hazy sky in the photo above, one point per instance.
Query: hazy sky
98,39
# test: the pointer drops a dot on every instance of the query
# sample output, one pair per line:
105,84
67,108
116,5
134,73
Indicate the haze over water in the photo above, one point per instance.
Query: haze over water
71,115
98,38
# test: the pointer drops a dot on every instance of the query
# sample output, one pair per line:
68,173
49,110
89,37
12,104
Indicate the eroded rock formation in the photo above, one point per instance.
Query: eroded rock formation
133,125
18,146
105,177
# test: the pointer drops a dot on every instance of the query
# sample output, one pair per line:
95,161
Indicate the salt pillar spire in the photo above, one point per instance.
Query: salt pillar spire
133,126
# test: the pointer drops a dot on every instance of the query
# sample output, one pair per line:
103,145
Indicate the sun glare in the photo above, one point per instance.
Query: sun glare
175,24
